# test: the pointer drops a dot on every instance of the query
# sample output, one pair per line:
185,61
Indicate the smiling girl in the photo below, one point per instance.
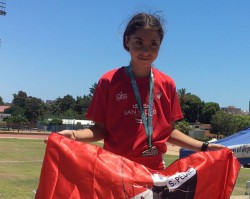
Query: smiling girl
135,107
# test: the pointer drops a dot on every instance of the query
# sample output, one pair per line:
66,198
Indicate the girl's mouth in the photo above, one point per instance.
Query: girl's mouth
145,58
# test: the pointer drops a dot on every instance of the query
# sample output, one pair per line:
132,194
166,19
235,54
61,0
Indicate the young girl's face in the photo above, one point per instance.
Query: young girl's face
143,46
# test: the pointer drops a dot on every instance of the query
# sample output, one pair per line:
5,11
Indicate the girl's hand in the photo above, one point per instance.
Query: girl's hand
67,133
214,147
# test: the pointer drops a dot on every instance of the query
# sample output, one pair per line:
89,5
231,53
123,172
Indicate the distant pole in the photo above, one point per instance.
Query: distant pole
2,7
249,109
2,11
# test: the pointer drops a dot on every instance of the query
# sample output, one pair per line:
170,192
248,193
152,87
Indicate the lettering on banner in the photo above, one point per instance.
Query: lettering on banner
179,185
241,151
176,180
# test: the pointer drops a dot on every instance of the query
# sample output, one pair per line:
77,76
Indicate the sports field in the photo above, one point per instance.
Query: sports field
21,161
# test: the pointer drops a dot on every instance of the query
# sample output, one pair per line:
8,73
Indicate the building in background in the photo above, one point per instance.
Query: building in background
2,114
234,110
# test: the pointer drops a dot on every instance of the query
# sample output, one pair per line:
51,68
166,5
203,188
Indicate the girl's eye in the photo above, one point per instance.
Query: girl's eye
138,42
154,44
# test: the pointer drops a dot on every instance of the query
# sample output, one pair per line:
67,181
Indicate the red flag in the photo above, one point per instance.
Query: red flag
73,170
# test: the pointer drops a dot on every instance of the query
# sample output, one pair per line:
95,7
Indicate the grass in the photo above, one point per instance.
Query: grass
20,165
21,161
240,186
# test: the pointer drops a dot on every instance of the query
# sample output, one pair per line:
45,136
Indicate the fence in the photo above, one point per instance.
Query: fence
15,127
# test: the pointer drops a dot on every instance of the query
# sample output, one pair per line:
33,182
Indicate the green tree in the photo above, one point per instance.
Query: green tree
71,114
192,108
53,109
1,101
55,121
15,110
183,126
34,109
20,99
65,103
19,105
92,89
16,121
207,112
241,122
223,123
182,96
82,104
44,122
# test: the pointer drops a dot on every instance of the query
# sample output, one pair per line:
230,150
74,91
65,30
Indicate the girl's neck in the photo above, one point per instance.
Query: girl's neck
140,72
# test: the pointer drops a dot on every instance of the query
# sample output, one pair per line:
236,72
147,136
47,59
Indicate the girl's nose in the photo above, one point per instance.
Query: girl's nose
145,49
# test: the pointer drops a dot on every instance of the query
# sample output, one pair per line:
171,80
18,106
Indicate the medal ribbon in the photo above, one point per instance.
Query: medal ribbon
147,121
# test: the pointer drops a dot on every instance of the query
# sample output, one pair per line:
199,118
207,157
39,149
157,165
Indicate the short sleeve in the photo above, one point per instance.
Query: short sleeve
98,106
176,112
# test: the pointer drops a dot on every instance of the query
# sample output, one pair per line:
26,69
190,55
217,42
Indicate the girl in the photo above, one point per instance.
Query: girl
134,107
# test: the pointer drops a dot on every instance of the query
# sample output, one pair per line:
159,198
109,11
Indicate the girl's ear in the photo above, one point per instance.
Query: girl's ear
126,40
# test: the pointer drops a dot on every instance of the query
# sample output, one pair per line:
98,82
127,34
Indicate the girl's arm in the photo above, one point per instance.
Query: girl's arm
182,140
92,134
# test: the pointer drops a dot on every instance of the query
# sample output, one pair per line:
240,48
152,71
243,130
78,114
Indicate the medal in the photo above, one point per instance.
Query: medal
147,121
150,151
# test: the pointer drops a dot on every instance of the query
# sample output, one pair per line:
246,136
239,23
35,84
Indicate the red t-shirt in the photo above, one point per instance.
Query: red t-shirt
115,105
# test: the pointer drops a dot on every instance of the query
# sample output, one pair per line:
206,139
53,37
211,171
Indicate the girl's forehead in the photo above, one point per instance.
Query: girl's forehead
145,32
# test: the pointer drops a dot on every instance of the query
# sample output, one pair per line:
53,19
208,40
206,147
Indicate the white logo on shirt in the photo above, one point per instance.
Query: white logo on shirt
139,121
121,96
135,112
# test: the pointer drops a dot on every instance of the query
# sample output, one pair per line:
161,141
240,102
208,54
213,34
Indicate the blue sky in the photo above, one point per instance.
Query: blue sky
53,48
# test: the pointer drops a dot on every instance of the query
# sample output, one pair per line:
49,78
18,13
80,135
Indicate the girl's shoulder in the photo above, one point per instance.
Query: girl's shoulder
110,74
162,77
